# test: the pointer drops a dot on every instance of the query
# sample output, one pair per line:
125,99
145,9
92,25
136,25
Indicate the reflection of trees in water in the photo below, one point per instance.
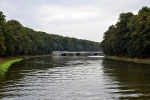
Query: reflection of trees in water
132,79
19,73
19,70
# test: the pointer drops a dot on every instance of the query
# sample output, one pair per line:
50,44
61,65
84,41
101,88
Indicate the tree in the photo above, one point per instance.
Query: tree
15,39
130,36
2,46
2,38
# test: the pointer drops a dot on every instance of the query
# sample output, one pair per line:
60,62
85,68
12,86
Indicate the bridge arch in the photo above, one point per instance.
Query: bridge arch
66,53
94,54
63,54
78,54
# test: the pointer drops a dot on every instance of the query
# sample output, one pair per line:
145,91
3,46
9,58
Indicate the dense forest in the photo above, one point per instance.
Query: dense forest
15,39
130,36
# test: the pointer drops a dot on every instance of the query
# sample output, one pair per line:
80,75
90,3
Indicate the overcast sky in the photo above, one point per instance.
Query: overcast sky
82,19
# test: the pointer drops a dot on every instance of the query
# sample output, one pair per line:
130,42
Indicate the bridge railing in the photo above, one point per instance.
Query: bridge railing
76,52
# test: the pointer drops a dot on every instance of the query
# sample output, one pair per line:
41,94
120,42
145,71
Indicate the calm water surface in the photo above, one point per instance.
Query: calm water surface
75,78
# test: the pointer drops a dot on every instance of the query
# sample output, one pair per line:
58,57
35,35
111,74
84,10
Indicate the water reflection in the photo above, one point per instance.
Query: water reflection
52,78
80,78
131,79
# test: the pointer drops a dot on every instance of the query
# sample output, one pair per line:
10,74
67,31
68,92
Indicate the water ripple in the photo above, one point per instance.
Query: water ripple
77,78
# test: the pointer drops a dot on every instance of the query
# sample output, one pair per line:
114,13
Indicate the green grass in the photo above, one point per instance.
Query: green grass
5,66
5,63
127,59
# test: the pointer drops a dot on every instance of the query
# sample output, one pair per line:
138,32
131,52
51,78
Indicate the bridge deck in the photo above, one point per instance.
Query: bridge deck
65,53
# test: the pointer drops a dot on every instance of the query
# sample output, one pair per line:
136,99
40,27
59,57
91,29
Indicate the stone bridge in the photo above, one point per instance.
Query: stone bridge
78,53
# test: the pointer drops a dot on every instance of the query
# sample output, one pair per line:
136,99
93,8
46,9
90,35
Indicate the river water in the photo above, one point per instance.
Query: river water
75,78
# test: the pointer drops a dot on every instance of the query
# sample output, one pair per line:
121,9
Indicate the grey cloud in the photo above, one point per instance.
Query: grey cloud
87,19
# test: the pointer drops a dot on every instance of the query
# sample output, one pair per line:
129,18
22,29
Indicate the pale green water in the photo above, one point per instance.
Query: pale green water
75,78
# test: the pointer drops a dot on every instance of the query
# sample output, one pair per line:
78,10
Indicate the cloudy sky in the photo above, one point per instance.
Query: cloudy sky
82,19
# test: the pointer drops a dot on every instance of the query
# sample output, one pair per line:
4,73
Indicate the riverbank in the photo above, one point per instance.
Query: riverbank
5,66
6,62
127,59
4,59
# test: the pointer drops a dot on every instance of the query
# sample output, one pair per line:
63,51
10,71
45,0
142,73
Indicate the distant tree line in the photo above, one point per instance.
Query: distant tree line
16,39
130,36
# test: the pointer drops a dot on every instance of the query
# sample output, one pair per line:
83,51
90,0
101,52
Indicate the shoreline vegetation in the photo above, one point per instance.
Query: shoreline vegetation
5,66
127,59
6,62
16,39
130,36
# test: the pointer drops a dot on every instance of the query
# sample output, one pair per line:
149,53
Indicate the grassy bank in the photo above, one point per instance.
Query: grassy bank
5,63
127,59
4,59
5,66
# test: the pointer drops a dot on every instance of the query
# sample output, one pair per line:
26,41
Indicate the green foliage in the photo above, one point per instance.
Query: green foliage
15,39
5,66
130,36
2,46
2,38
144,9
2,17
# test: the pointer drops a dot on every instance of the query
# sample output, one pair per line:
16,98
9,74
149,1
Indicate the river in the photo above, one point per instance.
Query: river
75,78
